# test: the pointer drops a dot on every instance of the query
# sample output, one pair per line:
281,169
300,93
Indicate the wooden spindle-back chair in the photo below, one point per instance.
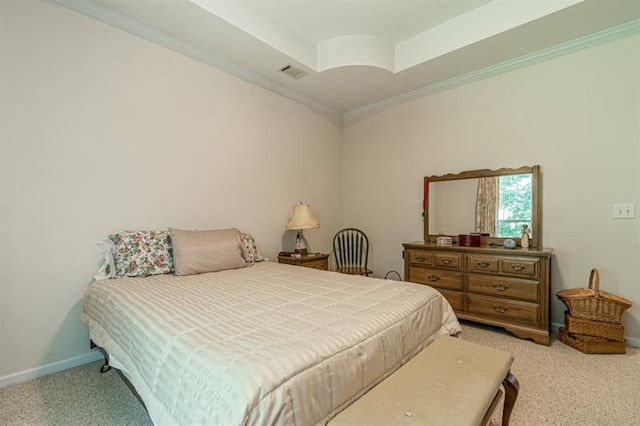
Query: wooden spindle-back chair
351,249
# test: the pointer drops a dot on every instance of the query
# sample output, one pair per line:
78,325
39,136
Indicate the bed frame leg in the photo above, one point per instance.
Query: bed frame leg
104,367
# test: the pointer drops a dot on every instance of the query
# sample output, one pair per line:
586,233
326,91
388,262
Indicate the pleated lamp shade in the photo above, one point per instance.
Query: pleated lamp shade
302,218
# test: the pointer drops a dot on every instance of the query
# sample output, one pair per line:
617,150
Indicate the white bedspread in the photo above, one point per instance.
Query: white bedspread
271,344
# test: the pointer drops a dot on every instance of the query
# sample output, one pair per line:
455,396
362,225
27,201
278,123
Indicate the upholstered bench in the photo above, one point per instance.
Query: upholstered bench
451,382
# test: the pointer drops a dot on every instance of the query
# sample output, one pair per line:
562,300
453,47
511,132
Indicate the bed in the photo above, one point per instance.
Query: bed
261,345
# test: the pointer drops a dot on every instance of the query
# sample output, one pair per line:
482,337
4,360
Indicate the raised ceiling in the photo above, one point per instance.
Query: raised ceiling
361,55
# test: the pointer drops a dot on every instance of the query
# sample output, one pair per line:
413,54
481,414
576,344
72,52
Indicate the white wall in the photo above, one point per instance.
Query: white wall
577,116
100,131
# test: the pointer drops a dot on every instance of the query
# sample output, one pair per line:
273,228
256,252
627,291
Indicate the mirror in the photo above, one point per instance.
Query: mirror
505,200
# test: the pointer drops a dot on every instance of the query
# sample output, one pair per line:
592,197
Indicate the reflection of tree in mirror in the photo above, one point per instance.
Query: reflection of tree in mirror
515,204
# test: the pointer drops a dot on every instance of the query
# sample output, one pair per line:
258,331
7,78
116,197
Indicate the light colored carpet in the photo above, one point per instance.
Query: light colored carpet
79,396
558,386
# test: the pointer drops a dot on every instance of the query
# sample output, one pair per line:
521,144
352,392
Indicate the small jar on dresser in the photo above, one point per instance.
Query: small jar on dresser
508,288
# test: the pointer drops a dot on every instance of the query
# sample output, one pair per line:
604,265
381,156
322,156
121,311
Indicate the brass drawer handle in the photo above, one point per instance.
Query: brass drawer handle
483,264
501,287
500,309
433,278
421,258
518,267
446,260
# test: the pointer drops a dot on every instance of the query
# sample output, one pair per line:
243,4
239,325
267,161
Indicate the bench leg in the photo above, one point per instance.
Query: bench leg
511,388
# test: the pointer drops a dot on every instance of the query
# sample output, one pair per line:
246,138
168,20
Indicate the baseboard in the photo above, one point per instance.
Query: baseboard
631,341
45,370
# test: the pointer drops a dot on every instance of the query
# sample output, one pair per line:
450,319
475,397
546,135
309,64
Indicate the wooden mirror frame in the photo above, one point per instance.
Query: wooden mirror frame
536,219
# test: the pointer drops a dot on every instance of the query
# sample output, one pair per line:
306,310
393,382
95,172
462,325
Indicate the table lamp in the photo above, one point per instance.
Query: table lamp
302,219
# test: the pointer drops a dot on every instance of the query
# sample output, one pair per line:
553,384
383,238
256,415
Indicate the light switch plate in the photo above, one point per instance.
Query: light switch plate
624,211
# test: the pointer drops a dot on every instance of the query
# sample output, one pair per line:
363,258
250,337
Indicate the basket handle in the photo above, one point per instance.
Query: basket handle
594,282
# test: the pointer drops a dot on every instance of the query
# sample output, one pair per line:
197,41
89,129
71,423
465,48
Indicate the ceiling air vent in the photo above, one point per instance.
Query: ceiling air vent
293,72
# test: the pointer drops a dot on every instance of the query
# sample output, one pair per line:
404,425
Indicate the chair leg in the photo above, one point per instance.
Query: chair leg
511,388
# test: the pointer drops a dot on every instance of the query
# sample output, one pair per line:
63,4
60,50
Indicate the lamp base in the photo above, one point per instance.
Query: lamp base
301,244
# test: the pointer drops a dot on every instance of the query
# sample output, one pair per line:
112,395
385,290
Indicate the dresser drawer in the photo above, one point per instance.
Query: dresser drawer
448,260
520,266
455,298
436,278
483,264
420,257
512,288
508,310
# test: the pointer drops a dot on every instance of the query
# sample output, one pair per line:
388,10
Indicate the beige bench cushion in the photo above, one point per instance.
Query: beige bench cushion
451,382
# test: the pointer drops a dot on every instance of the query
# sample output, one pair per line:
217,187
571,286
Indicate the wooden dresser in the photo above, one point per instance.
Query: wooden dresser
508,288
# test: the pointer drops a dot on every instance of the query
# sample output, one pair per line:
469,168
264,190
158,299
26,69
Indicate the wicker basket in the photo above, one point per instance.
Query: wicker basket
593,304
591,345
603,330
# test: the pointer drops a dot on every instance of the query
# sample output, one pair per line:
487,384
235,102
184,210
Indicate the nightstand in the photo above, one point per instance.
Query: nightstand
317,261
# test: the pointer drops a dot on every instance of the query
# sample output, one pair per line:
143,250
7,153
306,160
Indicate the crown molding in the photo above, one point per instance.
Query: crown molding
623,30
105,15
355,115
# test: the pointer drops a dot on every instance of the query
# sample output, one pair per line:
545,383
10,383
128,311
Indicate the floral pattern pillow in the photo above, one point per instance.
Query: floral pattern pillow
142,253
250,249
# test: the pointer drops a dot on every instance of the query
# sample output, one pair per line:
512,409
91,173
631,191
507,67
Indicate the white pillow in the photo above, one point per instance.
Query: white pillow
108,268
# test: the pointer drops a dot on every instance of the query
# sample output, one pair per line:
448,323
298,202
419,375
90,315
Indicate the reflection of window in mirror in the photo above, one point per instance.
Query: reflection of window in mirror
515,204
